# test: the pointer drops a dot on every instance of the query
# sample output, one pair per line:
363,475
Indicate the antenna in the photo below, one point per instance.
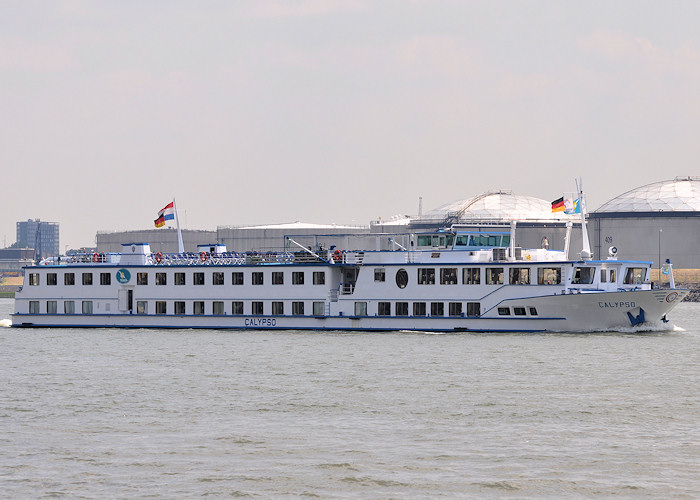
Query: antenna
585,244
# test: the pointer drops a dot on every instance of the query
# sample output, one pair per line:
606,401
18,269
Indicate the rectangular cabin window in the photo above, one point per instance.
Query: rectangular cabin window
583,276
426,276
533,311
635,275
613,276
419,309
379,274
217,307
519,311
257,278
33,307
519,275
319,308
198,278
161,307
141,307
105,279
473,309
237,278
402,308
319,277
448,276
298,278
51,307
471,276
69,307
217,278
278,278
237,307
360,308
51,279
603,275
278,308
437,309
384,308
462,240
494,275
179,279
424,240
161,279
69,279
257,308
87,306
142,278
179,307
198,307
87,278
455,308
33,279
504,311
549,275
298,308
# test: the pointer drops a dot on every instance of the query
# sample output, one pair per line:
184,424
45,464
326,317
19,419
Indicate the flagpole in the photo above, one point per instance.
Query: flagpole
180,246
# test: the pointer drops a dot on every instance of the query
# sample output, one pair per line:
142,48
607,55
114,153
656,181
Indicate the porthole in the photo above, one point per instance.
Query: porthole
401,278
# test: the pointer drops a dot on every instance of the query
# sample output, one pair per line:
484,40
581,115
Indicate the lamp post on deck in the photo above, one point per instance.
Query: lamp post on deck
659,261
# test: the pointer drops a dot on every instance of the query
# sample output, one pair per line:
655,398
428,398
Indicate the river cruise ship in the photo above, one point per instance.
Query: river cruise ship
446,281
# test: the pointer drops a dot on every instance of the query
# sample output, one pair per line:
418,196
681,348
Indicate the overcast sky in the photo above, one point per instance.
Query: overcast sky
336,111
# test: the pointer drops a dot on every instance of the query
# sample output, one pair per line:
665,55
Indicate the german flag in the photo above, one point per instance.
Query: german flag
558,205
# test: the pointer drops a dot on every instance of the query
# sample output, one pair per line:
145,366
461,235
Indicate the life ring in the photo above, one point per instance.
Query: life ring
203,256
96,257
159,257
337,256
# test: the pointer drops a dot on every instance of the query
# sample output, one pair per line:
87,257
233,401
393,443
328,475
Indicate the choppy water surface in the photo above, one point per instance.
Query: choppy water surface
132,413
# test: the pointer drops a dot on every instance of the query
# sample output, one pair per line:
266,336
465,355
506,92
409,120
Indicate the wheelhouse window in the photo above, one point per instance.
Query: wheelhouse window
319,308
473,309
217,278
319,278
471,276
549,275
141,278
494,275
198,279
257,308
455,308
87,306
384,308
419,309
298,308
198,307
51,279
519,275
87,278
257,278
297,277
278,308
218,307
69,279
583,276
69,307
635,275
426,276
278,278
141,307
603,275
105,279
179,279
237,307
179,307
237,278
448,276
161,279
33,279
613,276
379,274
161,307
437,309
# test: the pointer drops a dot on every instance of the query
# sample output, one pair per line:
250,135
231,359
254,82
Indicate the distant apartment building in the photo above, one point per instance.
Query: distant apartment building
39,235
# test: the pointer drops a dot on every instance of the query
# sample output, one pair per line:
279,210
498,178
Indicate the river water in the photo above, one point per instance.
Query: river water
109,413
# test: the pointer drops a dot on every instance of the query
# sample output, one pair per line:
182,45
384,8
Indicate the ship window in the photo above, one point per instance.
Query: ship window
384,308
198,278
51,279
603,275
319,278
401,278
179,307
426,276
278,278
437,309
217,278
141,279
448,276
237,278
87,278
462,240
298,308
298,278
69,279
218,307
533,311
402,308
360,308
519,275
583,275
161,307
494,275
380,274
419,309
455,308
278,308
257,278
504,311
105,279
473,309
635,276
519,311
87,306
424,240
198,307
179,278
319,308
141,307
257,308
34,279
471,275
69,307
236,307
549,275
161,279
33,307
613,277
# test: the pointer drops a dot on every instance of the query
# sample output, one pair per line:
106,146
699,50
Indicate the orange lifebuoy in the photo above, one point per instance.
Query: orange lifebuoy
203,256
96,257
159,257
337,256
